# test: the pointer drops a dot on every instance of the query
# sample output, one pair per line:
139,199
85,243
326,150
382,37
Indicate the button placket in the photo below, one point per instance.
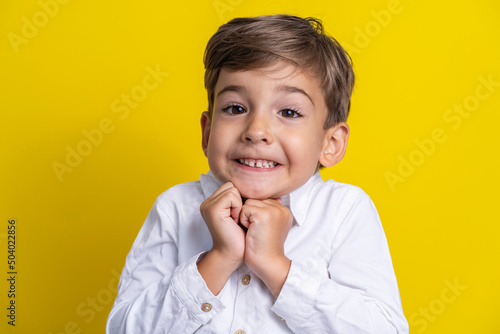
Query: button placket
243,281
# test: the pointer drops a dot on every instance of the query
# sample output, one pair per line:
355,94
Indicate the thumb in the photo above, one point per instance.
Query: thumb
235,213
245,216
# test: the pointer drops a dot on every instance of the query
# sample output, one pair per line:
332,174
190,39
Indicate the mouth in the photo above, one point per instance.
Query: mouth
257,163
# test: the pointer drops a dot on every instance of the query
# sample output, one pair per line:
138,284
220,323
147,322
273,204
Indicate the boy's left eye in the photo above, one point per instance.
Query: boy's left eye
290,113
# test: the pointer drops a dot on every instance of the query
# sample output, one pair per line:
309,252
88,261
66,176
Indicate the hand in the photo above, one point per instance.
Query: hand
221,213
268,223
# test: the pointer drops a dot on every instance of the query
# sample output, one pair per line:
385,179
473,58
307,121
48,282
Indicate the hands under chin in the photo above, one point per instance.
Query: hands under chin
267,223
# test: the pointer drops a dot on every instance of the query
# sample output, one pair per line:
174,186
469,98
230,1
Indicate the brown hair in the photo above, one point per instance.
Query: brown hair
254,42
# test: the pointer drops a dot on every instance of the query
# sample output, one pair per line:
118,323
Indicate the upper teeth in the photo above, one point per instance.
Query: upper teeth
257,163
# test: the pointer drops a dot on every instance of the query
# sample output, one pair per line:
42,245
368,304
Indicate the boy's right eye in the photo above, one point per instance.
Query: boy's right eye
234,109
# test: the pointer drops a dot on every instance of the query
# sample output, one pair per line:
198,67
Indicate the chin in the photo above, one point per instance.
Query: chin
253,196
258,194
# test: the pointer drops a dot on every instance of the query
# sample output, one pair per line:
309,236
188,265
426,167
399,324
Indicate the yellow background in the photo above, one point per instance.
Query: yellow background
412,67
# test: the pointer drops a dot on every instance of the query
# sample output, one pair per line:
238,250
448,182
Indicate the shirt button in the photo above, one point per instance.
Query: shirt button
239,331
245,280
206,307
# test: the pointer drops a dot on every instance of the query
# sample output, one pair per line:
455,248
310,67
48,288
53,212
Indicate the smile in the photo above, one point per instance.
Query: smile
258,163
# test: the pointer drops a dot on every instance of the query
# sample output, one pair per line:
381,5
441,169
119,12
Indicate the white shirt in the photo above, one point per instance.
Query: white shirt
341,278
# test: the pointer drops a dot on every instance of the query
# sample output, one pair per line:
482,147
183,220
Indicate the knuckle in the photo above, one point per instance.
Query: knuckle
233,192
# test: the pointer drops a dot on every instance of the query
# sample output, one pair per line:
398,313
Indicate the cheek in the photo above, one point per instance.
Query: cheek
214,152
218,148
302,144
303,152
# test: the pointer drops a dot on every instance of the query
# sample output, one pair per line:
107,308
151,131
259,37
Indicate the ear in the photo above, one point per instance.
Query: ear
205,130
335,144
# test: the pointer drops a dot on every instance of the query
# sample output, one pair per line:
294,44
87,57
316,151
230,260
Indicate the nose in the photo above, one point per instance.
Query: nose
258,129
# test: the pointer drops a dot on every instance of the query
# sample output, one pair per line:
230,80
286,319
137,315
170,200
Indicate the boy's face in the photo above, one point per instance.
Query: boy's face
266,134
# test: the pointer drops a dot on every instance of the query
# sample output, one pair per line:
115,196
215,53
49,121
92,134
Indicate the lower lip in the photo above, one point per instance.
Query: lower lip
257,169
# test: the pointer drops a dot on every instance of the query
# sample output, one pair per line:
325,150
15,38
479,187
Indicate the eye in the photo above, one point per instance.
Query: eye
234,109
290,113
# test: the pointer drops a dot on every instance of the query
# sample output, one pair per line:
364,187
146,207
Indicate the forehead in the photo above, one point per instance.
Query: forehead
280,76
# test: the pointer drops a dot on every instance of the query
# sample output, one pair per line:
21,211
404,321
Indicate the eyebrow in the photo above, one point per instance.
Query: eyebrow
292,89
285,88
232,88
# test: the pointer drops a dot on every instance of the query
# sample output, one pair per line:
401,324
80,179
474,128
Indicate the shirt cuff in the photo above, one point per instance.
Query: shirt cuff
295,303
192,291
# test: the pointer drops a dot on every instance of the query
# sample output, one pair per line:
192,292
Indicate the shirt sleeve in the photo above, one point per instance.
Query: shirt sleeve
156,294
360,293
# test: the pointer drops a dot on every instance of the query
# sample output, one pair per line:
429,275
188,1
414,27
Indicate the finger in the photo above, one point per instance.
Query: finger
246,215
255,203
236,209
230,199
276,202
228,196
216,197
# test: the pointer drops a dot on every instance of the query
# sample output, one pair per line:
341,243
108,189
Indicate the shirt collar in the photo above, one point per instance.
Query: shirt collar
209,184
298,201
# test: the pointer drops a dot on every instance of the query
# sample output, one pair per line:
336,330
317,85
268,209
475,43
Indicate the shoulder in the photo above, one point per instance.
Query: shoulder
344,193
343,202
331,198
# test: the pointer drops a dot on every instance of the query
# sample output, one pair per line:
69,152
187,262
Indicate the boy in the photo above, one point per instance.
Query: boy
261,244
